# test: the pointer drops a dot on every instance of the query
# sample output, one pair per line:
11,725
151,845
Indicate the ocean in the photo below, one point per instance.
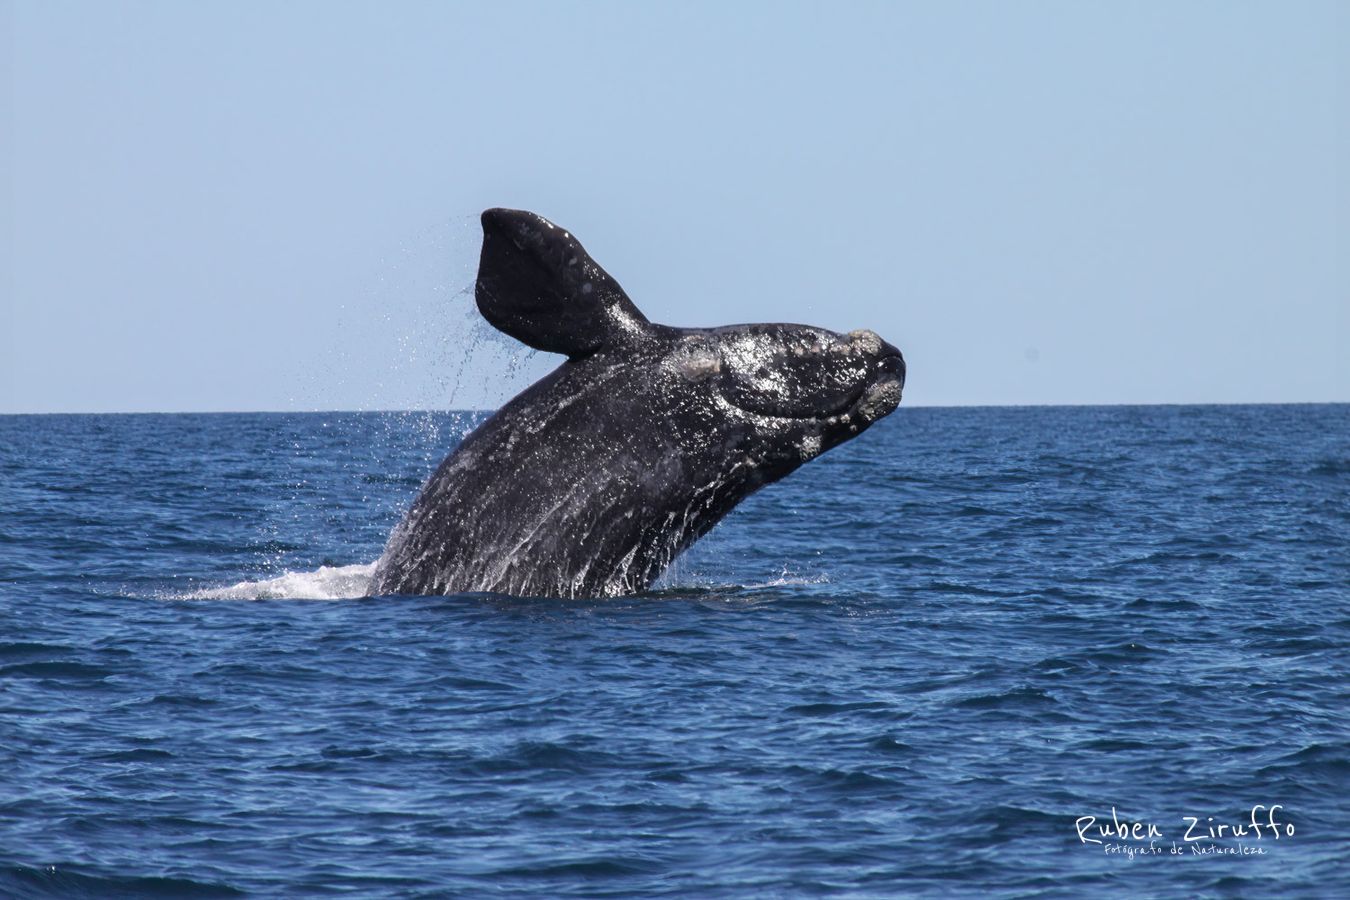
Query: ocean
993,652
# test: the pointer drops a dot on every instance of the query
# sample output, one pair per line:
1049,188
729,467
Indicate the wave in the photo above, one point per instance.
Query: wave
324,583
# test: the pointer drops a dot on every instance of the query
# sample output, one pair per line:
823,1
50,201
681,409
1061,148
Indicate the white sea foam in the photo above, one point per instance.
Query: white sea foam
350,582
790,578
324,583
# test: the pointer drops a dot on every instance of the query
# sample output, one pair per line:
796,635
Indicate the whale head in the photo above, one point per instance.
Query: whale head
801,389
593,479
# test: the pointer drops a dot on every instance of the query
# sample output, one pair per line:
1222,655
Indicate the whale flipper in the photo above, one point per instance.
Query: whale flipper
539,285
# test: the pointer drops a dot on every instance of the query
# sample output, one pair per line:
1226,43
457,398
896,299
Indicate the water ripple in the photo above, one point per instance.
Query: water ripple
906,670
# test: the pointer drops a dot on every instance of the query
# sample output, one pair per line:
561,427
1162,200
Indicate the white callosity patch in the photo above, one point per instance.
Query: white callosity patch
695,361
880,399
864,341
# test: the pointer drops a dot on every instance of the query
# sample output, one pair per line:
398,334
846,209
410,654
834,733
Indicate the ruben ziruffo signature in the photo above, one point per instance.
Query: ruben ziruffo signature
1263,822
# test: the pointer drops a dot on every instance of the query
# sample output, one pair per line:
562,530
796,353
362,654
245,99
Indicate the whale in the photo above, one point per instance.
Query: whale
590,482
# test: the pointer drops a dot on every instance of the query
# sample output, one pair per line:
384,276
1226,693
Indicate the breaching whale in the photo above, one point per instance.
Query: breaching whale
591,481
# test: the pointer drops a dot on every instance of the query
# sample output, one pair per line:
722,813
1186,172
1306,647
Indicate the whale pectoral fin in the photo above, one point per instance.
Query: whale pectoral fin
537,283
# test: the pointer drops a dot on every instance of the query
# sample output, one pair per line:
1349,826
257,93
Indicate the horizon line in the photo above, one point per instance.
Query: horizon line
407,410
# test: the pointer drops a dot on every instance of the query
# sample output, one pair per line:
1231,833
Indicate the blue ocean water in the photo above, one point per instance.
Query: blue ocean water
913,668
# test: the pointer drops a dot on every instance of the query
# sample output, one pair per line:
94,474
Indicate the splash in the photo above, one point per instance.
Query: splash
412,338
353,582
324,583
788,578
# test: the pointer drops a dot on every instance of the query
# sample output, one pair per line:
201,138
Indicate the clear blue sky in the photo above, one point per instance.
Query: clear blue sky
272,206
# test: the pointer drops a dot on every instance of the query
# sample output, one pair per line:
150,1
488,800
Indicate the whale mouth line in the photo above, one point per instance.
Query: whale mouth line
887,369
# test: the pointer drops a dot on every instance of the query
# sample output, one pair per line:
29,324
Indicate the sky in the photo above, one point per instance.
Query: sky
255,206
